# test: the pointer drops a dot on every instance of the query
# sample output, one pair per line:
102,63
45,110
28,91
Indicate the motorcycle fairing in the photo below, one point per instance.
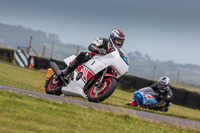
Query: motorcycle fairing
86,73
142,98
150,99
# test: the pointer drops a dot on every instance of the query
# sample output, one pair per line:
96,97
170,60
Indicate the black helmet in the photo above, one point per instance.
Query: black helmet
117,35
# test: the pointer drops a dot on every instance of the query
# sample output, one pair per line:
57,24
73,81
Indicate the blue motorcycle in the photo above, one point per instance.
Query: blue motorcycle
145,97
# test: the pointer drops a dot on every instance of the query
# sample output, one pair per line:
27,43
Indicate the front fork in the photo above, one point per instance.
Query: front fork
98,83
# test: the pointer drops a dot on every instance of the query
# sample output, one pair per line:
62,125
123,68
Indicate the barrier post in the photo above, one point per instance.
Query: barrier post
77,50
178,75
154,72
52,50
30,42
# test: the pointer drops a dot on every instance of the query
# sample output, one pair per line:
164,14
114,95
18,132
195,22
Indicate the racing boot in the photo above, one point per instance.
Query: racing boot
72,66
82,57
132,103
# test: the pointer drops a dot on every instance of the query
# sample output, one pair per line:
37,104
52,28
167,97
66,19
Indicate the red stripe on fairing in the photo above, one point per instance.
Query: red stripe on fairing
150,97
142,93
87,74
78,69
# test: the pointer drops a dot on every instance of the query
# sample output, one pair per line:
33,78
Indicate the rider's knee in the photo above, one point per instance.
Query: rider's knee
81,56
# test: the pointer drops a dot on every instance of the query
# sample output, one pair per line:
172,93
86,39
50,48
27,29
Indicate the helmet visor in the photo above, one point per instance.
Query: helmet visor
163,86
119,42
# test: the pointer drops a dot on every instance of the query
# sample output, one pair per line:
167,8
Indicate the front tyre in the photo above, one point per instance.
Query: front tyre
106,89
53,86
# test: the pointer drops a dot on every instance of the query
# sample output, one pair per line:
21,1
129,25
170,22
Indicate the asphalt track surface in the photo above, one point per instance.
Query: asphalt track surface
119,110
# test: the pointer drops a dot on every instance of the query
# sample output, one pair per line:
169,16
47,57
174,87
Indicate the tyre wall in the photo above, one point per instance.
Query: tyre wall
7,54
43,63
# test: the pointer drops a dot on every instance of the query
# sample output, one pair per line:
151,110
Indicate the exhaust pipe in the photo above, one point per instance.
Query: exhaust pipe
57,71
55,68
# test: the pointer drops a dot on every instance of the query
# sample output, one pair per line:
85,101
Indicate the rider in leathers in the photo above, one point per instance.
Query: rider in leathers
163,94
98,46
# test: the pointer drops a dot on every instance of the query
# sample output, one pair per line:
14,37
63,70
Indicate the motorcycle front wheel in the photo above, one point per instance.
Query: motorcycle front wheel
99,94
53,86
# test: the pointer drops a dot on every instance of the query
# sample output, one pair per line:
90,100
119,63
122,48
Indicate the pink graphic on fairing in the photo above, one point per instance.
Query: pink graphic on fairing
87,74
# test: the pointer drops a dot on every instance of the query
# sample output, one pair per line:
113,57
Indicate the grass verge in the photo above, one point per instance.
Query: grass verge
23,114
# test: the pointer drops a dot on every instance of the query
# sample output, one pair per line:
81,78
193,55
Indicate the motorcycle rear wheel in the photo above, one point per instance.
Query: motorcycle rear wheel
106,89
53,86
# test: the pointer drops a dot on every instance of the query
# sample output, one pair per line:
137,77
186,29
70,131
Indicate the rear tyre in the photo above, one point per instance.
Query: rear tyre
106,89
53,86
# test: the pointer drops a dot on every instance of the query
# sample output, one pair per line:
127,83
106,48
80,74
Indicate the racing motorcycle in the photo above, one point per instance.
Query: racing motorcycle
145,97
95,80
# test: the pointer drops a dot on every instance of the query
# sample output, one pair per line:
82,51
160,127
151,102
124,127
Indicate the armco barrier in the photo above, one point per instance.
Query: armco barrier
140,83
61,64
136,82
180,96
7,54
43,63
190,98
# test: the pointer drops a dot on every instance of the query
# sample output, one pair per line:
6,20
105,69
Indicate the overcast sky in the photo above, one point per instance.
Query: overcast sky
163,29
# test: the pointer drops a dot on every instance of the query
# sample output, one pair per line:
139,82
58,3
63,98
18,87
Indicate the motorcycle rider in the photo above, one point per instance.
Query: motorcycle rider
163,95
98,46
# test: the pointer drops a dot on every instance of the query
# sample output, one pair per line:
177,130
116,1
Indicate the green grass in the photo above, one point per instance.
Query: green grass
22,78
38,112
22,114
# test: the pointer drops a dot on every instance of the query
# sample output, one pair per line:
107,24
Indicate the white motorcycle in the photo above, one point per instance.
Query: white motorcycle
95,80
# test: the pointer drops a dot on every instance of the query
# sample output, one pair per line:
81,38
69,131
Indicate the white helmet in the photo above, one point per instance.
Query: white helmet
163,82
117,34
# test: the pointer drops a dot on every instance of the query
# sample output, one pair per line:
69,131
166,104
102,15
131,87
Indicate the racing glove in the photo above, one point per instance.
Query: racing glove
102,51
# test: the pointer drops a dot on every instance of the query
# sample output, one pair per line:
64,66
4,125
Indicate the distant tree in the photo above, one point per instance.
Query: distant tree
147,57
